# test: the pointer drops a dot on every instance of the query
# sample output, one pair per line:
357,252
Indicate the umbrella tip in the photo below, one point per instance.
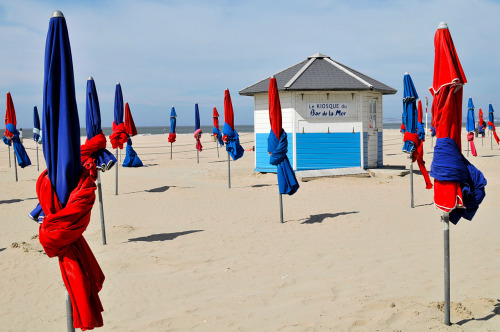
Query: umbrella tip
90,78
117,83
407,73
272,76
57,13
443,25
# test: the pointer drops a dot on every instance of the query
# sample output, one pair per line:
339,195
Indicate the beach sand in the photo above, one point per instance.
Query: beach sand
185,253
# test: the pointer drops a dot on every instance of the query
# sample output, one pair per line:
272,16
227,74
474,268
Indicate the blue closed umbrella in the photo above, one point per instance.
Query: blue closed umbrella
196,117
119,107
197,130
471,120
410,97
491,117
172,135
37,134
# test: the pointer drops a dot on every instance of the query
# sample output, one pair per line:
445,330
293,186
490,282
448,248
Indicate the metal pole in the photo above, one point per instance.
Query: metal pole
69,313
446,232
116,174
217,144
411,180
15,163
37,162
229,170
281,208
491,140
101,207
9,155
170,151
198,156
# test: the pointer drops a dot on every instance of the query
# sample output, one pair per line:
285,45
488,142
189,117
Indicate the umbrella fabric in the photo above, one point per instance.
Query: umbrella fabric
103,159
37,133
471,126
481,126
131,157
433,128
277,144
491,124
414,135
216,132
119,135
66,190
197,128
11,135
231,137
402,129
10,117
173,122
457,183
129,122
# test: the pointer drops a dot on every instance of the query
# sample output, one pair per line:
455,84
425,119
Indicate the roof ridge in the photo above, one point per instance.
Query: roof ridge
297,75
345,70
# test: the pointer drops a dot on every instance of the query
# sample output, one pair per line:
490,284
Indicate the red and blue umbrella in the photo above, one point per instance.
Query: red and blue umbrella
131,158
491,123
11,135
231,137
173,122
471,127
37,133
481,124
277,144
119,135
216,132
66,190
197,128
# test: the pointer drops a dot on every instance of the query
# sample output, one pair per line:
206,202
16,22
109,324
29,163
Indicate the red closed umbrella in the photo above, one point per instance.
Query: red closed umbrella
129,122
10,115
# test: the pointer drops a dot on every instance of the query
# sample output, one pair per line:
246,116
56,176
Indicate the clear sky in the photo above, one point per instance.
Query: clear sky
178,53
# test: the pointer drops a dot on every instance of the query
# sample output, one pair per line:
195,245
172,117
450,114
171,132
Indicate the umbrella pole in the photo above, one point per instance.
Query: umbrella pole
15,164
217,145
101,207
9,155
37,163
69,313
491,140
229,170
170,151
198,156
411,180
116,174
446,232
281,208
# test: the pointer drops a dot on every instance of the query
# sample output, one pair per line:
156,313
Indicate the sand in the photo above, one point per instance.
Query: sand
185,253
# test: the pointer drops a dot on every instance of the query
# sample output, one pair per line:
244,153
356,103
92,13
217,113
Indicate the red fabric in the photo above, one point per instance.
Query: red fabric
197,136
470,138
129,122
420,112
418,155
171,137
402,128
494,131
10,115
481,120
119,136
60,234
275,108
216,119
447,110
228,109
91,146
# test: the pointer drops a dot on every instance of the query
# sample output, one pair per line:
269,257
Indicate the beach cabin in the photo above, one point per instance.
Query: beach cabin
332,115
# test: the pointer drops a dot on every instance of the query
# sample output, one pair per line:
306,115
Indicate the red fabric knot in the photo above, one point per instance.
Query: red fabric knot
197,136
494,131
418,155
470,138
90,147
172,137
119,136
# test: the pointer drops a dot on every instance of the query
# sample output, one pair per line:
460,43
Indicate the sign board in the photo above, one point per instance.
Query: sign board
329,111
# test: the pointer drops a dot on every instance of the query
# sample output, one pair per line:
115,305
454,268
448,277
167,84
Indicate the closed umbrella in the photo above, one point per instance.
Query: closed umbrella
458,185
131,157
172,135
119,135
216,132
37,134
471,126
231,137
491,125
481,124
11,136
197,132
66,190
277,146
95,145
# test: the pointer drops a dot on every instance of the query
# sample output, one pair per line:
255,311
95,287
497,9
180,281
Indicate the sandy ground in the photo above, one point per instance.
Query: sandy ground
185,253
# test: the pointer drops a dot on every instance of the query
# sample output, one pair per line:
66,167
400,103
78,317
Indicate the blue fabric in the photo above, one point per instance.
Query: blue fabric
287,182
131,157
471,122
216,131
36,125
119,108
433,131
22,157
37,214
173,120
410,111
196,117
420,131
233,146
61,126
491,116
450,165
7,141
104,159
403,121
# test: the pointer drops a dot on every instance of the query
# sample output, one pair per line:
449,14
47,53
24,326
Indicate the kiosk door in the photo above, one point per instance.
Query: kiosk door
372,134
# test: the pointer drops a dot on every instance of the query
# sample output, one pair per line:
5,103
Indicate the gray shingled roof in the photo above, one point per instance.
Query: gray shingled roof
319,72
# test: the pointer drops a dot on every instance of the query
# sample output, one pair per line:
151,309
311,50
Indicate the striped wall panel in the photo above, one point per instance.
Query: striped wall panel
380,157
262,157
365,150
323,151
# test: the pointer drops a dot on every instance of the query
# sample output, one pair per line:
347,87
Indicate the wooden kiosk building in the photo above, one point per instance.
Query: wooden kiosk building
332,115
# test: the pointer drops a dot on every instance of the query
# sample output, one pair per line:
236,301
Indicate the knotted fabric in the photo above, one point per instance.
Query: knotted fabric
492,126
454,173
418,155
172,137
37,135
131,157
197,137
95,149
470,138
119,136
218,135
433,131
402,130
60,234
22,157
287,182
232,139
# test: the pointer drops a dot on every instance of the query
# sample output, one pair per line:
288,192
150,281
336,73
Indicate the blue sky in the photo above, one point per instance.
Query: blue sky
178,53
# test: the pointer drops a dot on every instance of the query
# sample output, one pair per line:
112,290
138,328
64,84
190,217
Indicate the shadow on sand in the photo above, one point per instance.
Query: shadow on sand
319,218
16,200
495,312
2,249
162,236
